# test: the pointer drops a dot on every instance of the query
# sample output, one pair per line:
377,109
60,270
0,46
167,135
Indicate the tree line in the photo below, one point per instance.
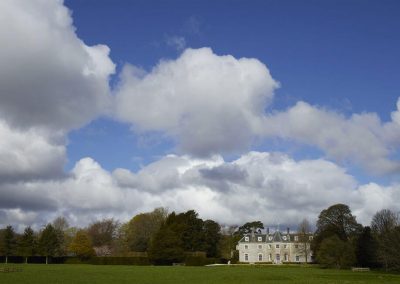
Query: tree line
165,238
340,241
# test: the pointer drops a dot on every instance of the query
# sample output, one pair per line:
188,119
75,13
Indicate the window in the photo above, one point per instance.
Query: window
310,238
286,257
277,246
297,258
260,246
296,246
260,258
296,238
284,238
246,246
284,246
246,239
259,239
246,257
270,238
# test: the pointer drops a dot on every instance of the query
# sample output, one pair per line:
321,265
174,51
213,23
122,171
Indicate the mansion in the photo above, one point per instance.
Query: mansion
277,248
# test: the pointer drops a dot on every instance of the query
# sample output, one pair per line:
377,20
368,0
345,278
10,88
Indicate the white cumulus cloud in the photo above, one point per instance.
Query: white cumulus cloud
209,103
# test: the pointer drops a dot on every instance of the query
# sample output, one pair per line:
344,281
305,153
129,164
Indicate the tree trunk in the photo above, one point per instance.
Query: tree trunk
26,260
6,259
47,259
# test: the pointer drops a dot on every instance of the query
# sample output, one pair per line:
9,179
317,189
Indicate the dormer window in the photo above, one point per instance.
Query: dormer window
310,238
259,239
246,239
296,238
270,238
284,238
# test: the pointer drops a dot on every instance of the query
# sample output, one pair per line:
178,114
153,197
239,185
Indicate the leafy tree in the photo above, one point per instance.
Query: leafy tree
212,237
166,247
48,242
338,221
27,244
249,227
81,245
383,223
304,230
103,233
366,249
335,253
8,242
61,226
141,228
391,249
228,242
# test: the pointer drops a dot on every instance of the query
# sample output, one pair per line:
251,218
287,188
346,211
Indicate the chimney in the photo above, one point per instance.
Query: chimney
288,230
267,230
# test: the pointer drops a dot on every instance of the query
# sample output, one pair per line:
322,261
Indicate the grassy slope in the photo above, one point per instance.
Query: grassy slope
149,274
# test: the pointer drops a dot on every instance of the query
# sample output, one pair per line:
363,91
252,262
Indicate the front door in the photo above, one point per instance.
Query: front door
278,258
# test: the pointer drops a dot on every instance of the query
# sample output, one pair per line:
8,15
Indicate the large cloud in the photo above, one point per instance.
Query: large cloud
29,154
267,186
209,103
361,139
48,76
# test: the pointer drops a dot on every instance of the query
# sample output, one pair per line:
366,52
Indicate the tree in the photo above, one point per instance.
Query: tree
212,237
304,230
335,253
382,224
166,247
8,242
61,226
48,242
103,233
81,245
27,244
255,226
141,228
366,249
336,220
391,248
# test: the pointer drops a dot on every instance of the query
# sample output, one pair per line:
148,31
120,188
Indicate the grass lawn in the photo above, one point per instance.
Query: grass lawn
64,273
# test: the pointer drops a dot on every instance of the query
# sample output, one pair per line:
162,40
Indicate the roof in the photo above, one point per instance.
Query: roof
276,237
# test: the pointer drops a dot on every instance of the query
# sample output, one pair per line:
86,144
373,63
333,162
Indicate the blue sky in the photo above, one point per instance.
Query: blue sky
231,108
341,55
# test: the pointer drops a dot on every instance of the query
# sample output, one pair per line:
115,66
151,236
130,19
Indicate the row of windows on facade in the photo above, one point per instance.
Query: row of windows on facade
270,246
259,239
260,257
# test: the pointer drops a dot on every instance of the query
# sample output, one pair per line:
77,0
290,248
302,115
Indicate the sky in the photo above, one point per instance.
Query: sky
240,110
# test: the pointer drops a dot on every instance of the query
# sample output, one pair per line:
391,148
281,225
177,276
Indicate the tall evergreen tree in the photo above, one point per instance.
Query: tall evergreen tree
8,242
27,244
48,242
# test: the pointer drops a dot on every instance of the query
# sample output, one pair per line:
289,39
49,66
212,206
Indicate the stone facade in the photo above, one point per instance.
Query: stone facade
275,248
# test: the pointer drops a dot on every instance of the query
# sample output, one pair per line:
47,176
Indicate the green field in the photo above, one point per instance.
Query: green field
64,273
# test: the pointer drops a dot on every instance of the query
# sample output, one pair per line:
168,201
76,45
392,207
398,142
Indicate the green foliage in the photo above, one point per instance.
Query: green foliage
49,242
212,237
141,229
200,260
390,249
166,247
337,221
335,253
8,241
27,244
366,249
250,226
81,245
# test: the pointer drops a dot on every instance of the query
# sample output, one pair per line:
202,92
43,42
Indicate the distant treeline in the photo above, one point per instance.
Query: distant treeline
164,238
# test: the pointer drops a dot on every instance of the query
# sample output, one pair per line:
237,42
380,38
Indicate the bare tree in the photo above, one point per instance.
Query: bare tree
304,230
